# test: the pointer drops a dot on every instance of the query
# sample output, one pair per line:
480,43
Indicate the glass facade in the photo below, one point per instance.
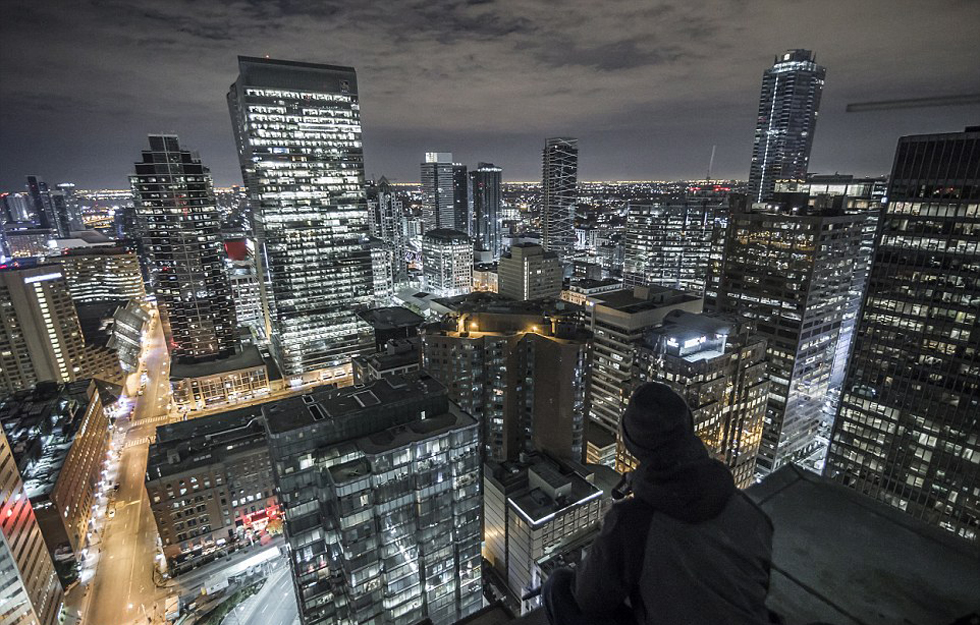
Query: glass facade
559,177
485,181
380,487
298,129
181,226
447,262
788,106
906,431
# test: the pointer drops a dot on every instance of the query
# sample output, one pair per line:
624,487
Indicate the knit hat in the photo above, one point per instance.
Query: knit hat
658,427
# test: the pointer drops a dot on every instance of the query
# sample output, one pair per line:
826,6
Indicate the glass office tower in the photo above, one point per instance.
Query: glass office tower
907,430
182,249
380,489
788,107
298,129
487,204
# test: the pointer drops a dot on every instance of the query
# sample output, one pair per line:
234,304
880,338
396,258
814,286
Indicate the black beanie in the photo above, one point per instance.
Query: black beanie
658,427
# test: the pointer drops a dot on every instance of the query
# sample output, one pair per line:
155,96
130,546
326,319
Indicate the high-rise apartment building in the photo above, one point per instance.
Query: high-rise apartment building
66,210
181,227
447,262
444,193
16,207
559,177
485,181
243,278
529,272
40,335
519,368
720,370
382,262
789,270
619,321
906,430
788,107
298,130
669,243
380,489
30,593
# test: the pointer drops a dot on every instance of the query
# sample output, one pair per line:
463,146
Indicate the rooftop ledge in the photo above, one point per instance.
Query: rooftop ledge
840,557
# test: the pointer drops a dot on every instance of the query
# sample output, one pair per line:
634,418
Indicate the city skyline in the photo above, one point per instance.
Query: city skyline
519,89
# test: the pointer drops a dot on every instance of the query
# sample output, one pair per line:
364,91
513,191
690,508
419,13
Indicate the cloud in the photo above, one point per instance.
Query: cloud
648,86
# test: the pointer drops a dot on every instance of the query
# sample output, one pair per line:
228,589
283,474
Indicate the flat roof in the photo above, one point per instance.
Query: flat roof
248,358
391,318
625,300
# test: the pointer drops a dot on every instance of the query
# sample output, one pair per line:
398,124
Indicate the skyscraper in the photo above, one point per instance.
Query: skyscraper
669,243
380,489
789,269
559,176
906,431
30,593
40,335
487,199
386,215
788,107
462,220
439,191
298,129
41,204
447,262
181,226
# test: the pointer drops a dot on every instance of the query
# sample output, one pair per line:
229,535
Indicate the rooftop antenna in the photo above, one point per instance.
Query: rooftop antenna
711,163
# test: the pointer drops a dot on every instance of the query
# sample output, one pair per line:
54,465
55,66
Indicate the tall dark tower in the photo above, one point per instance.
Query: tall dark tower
298,129
485,181
908,427
41,204
788,107
174,199
559,177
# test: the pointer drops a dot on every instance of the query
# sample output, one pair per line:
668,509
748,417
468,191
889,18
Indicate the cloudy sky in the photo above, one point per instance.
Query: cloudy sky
647,86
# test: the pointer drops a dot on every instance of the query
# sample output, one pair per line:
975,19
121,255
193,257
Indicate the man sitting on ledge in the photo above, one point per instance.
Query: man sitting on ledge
687,547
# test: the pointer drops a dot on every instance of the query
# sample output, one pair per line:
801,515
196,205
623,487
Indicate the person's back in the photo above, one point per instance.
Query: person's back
686,548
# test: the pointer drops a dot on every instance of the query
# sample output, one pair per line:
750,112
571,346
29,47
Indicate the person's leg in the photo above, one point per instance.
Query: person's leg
561,608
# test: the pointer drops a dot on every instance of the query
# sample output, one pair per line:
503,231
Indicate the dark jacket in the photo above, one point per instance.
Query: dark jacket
687,548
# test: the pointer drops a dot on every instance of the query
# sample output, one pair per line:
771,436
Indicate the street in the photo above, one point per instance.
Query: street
118,585
274,604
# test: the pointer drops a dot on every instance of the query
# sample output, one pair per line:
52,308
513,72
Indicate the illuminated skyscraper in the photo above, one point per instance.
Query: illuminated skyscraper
669,243
41,204
30,593
447,262
788,107
386,215
907,431
181,227
485,182
298,129
559,176
790,269
445,200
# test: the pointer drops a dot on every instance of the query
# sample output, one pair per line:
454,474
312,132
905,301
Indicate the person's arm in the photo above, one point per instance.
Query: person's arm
612,567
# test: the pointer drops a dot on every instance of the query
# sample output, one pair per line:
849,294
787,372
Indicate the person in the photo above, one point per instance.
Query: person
687,547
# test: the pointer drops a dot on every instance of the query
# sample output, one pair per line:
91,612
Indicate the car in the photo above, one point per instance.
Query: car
112,512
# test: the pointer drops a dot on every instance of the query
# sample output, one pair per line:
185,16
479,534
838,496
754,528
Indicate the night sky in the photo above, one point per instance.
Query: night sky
648,87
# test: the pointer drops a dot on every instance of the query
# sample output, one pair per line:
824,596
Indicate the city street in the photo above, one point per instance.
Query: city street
274,604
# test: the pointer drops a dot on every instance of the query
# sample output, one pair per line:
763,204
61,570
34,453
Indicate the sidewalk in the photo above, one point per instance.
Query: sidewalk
191,582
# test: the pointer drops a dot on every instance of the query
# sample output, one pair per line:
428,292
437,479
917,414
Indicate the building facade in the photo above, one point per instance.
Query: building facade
40,335
180,224
443,193
447,262
788,108
240,378
519,368
380,488
102,274
30,593
559,178
789,270
298,131
210,486
487,216
619,320
669,243
720,370
386,214
906,430
529,272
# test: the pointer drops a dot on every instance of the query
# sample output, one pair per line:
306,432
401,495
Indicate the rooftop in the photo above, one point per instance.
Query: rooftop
540,487
391,318
248,358
642,298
